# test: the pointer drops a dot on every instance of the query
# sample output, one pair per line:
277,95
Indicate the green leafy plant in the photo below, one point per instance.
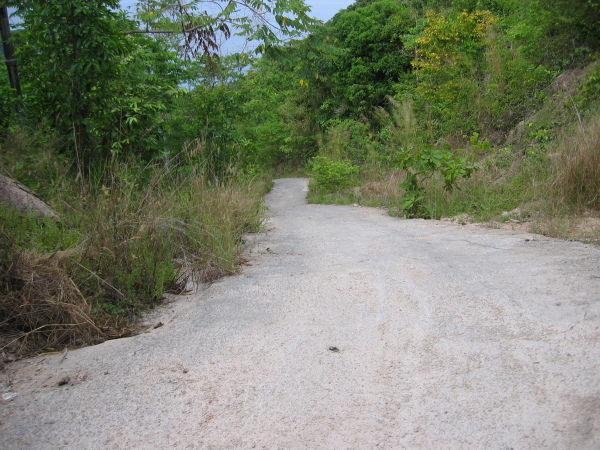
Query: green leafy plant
423,164
590,89
449,62
331,175
70,52
479,145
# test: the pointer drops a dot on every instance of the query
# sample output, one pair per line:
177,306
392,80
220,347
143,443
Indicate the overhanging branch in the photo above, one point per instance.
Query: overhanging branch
186,30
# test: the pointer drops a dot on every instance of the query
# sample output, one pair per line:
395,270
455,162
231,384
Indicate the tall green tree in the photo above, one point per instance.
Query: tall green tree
92,77
373,58
70,52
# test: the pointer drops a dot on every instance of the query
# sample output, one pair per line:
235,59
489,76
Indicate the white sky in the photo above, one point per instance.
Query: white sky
325,10
321,9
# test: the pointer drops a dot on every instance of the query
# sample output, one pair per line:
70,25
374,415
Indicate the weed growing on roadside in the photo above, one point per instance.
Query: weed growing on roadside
577,179
330,175
424,164
125,236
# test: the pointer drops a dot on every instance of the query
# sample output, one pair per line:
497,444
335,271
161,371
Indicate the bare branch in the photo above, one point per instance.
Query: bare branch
152,32
182,31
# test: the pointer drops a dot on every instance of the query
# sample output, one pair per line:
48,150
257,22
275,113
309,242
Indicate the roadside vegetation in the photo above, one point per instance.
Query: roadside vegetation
476,110
155,152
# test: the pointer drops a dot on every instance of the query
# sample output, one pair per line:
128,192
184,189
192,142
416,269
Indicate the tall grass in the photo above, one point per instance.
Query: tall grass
139,233
125,236
577,164
492,190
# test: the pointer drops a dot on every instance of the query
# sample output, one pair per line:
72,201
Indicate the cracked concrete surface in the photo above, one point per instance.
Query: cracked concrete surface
449,337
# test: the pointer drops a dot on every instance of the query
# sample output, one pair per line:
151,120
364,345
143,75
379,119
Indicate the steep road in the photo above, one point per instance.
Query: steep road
350,329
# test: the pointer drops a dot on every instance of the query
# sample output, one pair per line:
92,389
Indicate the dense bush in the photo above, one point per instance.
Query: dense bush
331,175
122,240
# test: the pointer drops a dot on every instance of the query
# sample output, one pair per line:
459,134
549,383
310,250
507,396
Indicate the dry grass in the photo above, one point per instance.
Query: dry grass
43,308
578,167
386,189
121,243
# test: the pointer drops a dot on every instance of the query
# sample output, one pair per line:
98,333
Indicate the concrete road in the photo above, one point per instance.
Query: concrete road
350,330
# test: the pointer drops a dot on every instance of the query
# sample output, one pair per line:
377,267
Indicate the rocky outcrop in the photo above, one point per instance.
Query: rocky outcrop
16,194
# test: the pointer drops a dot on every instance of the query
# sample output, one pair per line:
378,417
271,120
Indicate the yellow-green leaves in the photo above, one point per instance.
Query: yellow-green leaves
448,52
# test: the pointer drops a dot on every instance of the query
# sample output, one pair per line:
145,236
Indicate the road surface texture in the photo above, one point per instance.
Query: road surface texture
350,330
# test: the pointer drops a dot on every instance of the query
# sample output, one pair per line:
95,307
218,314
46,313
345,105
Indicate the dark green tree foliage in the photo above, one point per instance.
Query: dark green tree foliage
557,33
284,94
575,22
267,89
70,52
7,100
311,86
109,85
372,59
142,117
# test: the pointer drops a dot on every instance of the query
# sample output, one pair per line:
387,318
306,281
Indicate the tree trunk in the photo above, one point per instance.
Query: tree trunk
9,51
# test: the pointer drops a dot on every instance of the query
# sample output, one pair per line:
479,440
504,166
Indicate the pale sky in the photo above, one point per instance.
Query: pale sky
321,9
325,10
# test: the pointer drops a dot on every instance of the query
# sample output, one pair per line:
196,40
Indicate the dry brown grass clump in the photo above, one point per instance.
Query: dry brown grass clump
43,308
578,167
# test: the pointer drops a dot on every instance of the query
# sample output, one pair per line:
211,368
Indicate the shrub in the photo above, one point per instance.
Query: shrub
128,235
423,164
331,175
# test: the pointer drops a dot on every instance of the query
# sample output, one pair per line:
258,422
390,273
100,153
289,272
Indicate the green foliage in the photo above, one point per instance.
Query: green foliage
141,117
96,77
372,59
589,92
31,157
128,232
261,124
150,220
8,101
346,139
478,145
489,192
449,64
559,32
511,87
69,54
467,72
423,164
201,31
27,231
331,175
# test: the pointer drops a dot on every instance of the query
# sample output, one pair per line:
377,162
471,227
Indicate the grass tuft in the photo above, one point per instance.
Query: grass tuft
124,238
578,167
